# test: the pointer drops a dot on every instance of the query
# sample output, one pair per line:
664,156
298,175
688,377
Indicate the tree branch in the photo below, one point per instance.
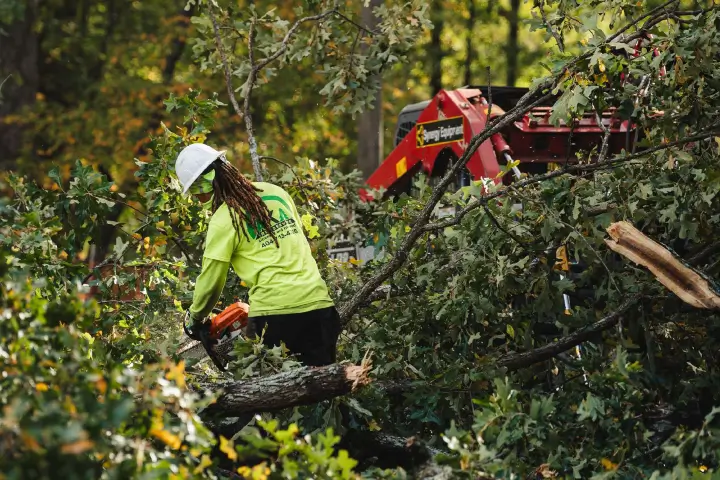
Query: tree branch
557,36
249,85
255,69
226,67
523,360
300,386
589,167
494,126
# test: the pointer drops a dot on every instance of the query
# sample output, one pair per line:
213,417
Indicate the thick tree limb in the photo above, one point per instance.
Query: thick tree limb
683,281
300,386
304,386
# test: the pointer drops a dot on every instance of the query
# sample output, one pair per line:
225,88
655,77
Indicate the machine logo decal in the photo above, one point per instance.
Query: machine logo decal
439,132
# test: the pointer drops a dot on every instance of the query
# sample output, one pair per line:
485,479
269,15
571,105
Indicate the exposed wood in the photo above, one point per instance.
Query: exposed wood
300,386
689,285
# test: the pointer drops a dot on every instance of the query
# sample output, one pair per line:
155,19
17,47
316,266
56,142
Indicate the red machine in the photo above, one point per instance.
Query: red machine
432,135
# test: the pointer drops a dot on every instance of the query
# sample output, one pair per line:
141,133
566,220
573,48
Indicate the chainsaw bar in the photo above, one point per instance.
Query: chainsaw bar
195,349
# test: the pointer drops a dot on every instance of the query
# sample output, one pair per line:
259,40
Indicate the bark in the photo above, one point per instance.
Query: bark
469,52
19,78
436,50
512,49
689,285
301,386
370,123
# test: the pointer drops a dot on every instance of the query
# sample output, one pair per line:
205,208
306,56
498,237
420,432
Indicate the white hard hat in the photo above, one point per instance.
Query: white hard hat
192,162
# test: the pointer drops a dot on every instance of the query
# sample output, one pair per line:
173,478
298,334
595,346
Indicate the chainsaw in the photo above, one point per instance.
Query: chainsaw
216,336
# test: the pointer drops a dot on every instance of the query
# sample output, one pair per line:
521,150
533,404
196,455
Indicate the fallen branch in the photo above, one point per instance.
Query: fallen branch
525,359
300,386
689,285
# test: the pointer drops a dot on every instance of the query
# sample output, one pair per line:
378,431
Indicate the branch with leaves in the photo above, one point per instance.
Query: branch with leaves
256,66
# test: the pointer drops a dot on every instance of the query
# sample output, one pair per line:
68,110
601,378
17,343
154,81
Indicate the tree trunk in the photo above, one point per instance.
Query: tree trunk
300,386
436,50
512,49
370,123
469,52
19,72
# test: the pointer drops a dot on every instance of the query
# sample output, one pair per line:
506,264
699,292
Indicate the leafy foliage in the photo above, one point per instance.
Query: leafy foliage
90,385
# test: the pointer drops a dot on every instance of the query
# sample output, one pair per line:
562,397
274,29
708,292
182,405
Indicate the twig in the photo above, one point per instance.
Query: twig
176,241
249,85
606,137
558,38
300,183
650,15
226,67
284,44
3,82
500,227
107,261
357,25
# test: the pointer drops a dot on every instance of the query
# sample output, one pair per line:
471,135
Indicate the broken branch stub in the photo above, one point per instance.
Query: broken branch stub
689,285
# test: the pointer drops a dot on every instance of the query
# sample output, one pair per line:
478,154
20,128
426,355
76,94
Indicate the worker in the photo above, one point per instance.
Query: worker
255,228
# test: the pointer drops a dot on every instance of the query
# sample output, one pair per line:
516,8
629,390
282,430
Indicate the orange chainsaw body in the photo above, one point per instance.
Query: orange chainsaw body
230,321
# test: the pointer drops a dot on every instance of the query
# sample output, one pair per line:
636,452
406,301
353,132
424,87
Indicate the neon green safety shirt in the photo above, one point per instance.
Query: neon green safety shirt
282,280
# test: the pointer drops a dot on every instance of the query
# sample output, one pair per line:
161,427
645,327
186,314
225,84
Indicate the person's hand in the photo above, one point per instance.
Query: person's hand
193,330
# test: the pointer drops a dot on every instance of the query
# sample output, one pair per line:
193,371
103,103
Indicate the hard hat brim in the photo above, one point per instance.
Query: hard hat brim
200,171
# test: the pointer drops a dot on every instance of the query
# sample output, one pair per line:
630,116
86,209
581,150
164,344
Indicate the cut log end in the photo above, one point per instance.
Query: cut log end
359,375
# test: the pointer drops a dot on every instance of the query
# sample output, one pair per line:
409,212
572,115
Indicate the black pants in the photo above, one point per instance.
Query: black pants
311,336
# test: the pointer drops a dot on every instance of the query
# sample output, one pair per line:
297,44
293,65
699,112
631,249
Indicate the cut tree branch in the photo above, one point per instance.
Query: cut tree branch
689,285
300,386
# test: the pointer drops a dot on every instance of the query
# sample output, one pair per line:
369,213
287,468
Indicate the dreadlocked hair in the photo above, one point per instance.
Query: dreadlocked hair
232,188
